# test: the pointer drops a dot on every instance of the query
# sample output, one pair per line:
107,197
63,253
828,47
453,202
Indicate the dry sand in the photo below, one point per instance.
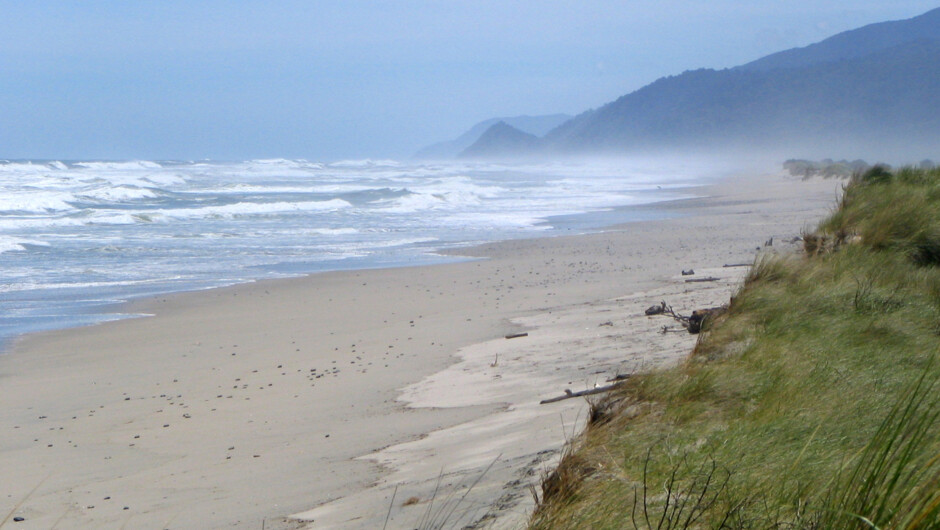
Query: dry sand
311,402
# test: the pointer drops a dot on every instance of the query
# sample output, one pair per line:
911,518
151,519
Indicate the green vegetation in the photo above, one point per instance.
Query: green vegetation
829,168
826,168
812,403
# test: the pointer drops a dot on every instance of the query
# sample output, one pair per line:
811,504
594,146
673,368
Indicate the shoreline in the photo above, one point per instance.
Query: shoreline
116,308
295,356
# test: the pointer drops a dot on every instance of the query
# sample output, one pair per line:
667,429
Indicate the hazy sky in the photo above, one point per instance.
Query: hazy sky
325,79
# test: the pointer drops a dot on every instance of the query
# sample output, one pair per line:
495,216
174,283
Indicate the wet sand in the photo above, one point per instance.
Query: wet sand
313,401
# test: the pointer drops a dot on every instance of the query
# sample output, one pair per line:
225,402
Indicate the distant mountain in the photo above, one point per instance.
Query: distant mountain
501,140
853,44
869,92
535,125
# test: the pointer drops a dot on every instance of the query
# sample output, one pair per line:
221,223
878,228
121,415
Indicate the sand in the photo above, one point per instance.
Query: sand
343,399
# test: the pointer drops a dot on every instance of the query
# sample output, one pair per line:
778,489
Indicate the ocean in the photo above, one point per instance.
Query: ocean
79,237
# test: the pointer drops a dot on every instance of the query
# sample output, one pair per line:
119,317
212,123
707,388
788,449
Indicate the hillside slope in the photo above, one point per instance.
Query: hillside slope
886,102
853,44
534,125
812,402
502,141
873,91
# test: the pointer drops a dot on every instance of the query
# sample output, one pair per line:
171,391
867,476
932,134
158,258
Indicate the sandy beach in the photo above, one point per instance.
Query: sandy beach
345,399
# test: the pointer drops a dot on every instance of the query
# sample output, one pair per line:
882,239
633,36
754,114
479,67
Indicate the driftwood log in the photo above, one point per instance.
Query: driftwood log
569,394
706,279
516,335
699,316
693,324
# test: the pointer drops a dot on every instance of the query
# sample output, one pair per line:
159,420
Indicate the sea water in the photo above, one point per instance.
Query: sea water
76,237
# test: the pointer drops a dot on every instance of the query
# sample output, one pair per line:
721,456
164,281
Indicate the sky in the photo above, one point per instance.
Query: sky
337,79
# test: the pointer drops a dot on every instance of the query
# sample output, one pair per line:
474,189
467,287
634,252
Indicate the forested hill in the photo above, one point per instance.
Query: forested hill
874,91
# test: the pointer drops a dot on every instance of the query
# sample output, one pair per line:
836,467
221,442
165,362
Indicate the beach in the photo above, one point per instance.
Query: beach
348,399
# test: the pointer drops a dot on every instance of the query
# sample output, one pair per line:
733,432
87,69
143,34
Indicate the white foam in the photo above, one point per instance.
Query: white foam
365,163
279,167
451,195
330,231
397,242
107,218
36,202
118,193
363,248
31,223
229,189
457,185
30,286
14,244
23,167
275,162
161,180
128,165
411,203
497,220
252,208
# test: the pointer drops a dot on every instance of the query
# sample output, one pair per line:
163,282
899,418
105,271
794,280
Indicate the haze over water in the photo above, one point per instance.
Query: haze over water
75,237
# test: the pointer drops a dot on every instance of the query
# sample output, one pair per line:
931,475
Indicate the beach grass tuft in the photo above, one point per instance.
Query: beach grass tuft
811,403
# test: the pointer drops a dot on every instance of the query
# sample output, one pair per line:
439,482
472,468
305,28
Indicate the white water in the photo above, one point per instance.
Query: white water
77,236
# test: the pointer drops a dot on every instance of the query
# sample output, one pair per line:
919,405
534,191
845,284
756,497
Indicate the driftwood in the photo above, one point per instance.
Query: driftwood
707,279
569,394
697,320
516,335
667,329
667,310
737,264
619,377
693,324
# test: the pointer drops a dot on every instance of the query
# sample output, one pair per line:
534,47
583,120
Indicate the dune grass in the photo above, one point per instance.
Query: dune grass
812,403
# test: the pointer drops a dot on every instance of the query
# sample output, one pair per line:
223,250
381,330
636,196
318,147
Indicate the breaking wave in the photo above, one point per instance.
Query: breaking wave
103,230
